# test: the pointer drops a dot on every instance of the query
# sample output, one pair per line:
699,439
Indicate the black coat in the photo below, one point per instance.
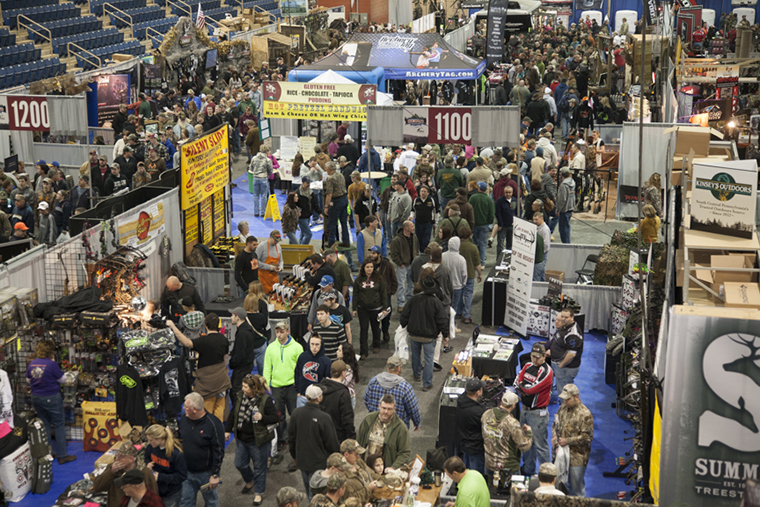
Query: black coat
469,435
350,152
324,269
336,402
119,120
307,206
311,437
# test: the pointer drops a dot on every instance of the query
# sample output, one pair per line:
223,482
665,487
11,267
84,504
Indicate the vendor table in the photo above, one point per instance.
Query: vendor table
429,495
299,324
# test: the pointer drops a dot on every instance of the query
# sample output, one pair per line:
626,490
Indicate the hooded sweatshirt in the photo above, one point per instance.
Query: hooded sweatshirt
369,293
443,277
566,196
407,406
430,316
311,369
336,401
457,265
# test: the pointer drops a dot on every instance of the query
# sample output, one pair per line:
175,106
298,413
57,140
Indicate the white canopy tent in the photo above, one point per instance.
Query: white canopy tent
331,77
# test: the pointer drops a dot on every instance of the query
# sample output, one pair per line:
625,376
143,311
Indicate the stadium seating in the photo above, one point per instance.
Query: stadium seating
90,40
96,6
22,53
43,13
206,5
20,4
139,30
216,14
24,73
139,15
64,27
132,47
7,38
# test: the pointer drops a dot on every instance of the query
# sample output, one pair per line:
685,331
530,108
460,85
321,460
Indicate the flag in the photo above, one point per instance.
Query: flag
200,22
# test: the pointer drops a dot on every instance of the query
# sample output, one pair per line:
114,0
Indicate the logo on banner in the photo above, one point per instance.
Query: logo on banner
396,42
416,121
723,187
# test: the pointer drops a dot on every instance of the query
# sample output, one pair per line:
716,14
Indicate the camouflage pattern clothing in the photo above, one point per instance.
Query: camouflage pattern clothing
576,425
359,479
335,185
504,440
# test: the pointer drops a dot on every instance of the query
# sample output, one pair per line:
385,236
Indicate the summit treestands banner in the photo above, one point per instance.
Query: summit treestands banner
205,166
318,101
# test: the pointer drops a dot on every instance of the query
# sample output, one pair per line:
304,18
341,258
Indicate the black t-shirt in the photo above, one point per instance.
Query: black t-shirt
572,341
211,349
423,210
342,314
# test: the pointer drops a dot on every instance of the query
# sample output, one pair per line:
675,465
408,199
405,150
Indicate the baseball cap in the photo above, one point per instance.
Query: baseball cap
569,391
538,349
43,205
337,460
127,149
505,172
336,481
21,226
282,325
351,445
55,164
395,361
326,280
290,495
331,294
482,185
152,134
132,137
115,165
313,392
473,385
427,147
527,118
126,449
41,162
238,312
133,476
47,180
305,180
509,398
93,152
375,249
548,469
337,367
276,235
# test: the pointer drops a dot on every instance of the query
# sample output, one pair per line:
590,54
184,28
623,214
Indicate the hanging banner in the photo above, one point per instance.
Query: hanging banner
113,89
711,407
457,125
317,101
205,167
207,217
141,225
521,275
25,112
723,198
497,19
219,215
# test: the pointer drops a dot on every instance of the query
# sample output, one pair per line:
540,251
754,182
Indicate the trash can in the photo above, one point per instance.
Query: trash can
385,183
250,182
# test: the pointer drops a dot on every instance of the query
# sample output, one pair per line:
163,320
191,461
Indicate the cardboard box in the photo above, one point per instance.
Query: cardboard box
559,275
750,260
742,295
693,138
729,261
118,57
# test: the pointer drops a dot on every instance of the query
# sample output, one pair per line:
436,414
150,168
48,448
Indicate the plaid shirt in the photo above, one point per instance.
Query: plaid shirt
407,407
150,499
161,151
192,319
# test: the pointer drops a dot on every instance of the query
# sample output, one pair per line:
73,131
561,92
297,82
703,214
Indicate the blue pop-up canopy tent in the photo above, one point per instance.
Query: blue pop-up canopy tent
402,55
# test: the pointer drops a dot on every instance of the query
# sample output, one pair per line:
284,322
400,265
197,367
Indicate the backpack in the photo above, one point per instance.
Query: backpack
179,269
548,204
564,103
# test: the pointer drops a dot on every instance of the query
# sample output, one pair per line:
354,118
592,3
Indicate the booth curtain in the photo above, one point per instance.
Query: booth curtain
595,300
570,258
491,129
383,125
68,115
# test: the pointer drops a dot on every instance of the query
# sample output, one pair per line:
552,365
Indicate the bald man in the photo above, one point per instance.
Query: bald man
174,293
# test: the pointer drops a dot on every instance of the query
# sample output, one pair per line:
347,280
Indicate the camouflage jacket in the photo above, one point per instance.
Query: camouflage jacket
504,440
576,425
358,482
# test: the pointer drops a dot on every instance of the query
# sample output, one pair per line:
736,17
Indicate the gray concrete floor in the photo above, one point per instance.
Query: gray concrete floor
590,233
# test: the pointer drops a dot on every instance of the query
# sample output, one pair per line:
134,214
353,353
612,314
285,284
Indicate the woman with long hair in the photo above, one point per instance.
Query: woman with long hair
165,458
332,147
290,214
347,354
45,378
370,299
257,315
250,420
192,111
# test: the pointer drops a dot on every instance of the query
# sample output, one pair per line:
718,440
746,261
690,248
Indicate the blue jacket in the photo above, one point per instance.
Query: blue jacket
559,91
311,369
172,150
172,470
25,215
504,213
377,164
194,99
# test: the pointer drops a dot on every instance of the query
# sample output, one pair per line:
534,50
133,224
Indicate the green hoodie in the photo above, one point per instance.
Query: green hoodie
483,207
280,362
448,180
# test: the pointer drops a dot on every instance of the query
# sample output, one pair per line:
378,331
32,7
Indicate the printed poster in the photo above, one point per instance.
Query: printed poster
205,166
521,275
219,215
207,217
318,101
141,225
723,197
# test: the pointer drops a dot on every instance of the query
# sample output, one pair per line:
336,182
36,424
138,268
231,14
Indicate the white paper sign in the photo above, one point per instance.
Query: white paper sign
288,147
521,275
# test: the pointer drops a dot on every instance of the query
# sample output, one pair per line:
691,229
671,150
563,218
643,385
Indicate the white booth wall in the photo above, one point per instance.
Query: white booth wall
597,15
708,16
630,16
750,13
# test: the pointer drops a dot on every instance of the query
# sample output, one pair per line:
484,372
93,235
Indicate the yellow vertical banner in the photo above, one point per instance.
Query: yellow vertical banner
204,166
191,225
207,229
219,213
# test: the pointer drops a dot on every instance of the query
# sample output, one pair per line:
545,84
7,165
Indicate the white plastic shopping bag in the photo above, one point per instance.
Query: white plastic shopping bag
402,343
562,462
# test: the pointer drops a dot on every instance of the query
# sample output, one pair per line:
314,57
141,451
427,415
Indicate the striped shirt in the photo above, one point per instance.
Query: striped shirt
332,336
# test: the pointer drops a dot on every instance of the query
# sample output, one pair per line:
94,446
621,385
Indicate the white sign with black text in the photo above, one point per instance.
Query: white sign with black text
521,275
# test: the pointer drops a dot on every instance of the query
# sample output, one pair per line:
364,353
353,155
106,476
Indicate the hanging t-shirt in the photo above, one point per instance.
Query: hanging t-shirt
130,403
172,386
211,349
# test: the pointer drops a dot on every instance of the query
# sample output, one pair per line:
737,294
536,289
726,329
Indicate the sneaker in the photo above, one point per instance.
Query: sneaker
292,467
467,321
447,349
490,243
426,388
437,367
66,459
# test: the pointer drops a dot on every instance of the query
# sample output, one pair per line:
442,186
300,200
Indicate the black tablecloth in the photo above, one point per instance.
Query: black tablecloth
506,370
494,298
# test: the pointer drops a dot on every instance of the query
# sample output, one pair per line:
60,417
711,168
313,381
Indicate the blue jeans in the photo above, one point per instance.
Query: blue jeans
467,292
553,221
300,401
540,448
405,284
318,194
338,212
260,196
563,376
303,224
577,486
456,302
292,238
306,476
417,350
193,484
564,226
565,125
50,410
259,355
395,226
423,234
539,270
480,237
244,453
503,238
444,202
236,142
475,462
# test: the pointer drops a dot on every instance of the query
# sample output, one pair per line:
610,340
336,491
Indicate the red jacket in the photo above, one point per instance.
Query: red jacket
410,188
150,499
535,385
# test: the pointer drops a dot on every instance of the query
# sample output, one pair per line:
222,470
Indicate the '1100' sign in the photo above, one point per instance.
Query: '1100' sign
450,125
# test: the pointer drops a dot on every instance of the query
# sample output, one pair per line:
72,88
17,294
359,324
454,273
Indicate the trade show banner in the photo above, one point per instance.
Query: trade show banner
477,126
205,166
141,225
521,275
711,407
723,199
318,101
497,19
113,89
24,112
